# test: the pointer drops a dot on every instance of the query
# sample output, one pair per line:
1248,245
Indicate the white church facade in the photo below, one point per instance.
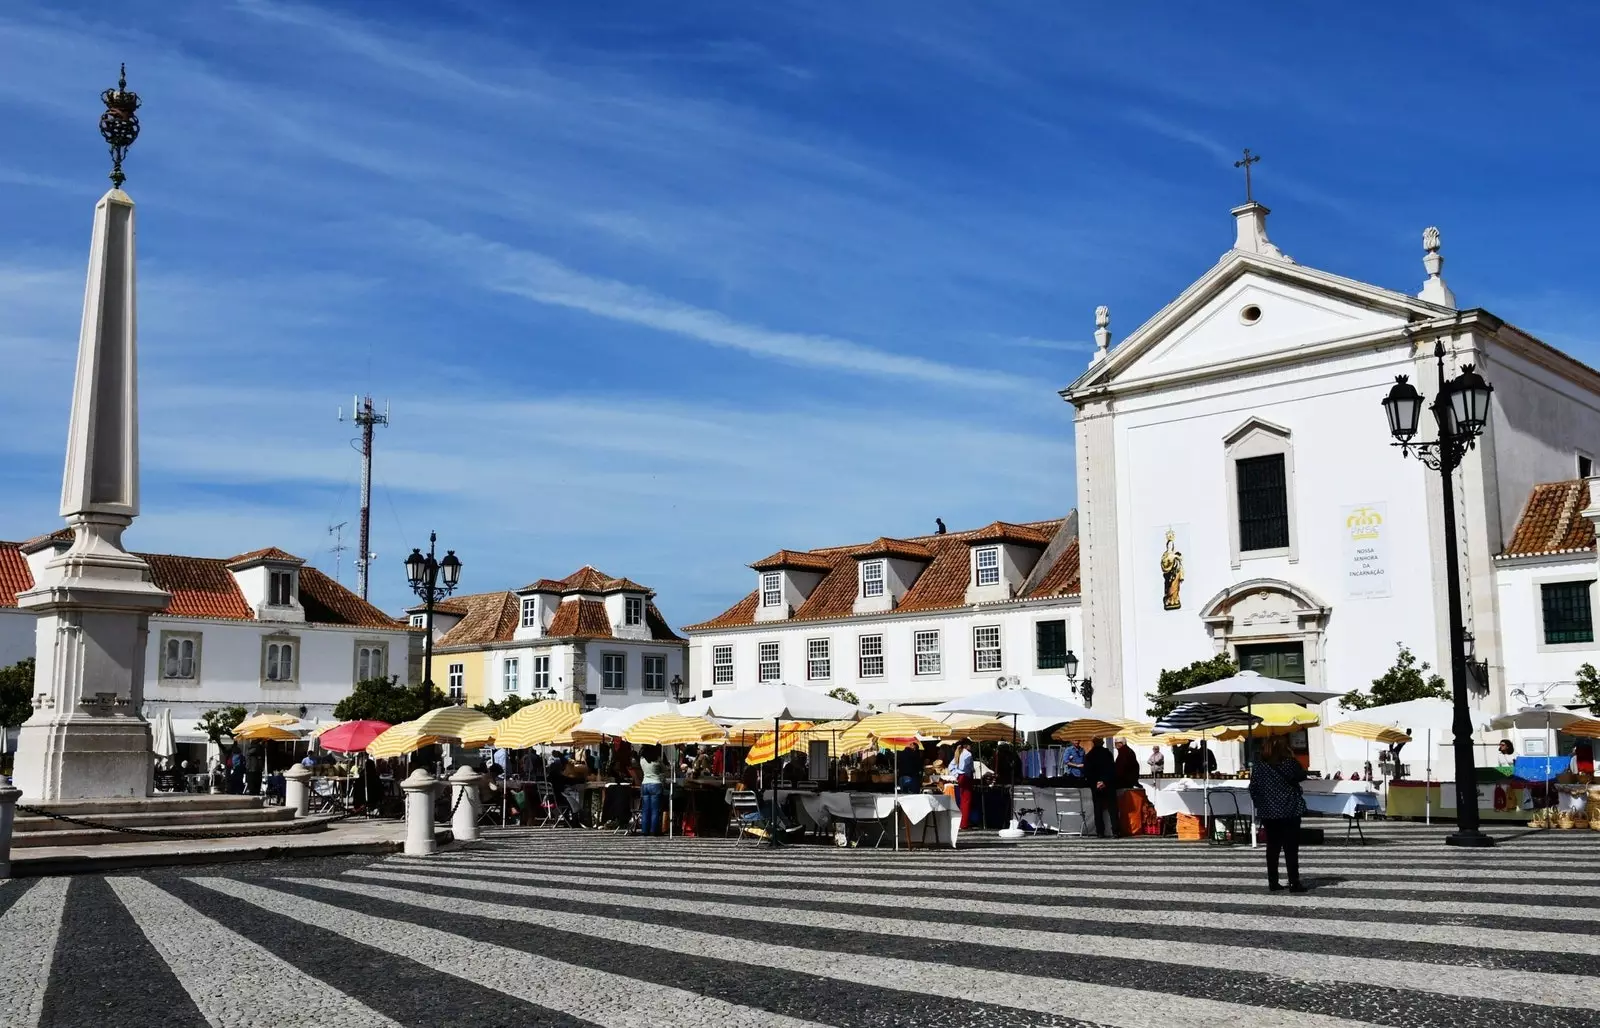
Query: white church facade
1238,492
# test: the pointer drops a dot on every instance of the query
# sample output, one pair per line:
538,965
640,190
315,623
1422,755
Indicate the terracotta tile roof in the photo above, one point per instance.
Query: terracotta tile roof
488,617
204,587
659,629
39,542
903,548
14,574
942,585
329,603
201,587
797,559
1005,532
580,619
1552,521
448,605
586,579
1062,578
270,553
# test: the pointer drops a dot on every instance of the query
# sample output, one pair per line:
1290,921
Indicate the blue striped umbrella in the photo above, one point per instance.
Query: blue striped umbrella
1197,717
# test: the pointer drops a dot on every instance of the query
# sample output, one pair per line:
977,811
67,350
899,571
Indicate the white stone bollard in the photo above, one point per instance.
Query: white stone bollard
419,789
464,801
297,790
9,795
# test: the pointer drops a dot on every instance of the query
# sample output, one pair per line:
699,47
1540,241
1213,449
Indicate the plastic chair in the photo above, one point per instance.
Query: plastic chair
1023,794
743,812
1069,804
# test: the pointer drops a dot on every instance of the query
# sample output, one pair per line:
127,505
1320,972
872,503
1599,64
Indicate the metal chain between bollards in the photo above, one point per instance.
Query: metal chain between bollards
167,833
450,817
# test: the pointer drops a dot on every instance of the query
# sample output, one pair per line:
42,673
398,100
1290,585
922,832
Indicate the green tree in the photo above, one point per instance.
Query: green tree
1589,688
221,721
385,699
846,695
1200,672
1406,680
502,709
16,693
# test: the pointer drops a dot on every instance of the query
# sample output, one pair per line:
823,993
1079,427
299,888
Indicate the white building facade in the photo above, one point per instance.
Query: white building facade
1238,492
261,630
903,622
590,638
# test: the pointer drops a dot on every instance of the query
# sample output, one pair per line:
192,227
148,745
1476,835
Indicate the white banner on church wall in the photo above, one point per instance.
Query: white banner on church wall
1366,554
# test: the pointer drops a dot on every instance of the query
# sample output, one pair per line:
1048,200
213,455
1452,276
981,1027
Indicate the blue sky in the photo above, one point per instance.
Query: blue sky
663,288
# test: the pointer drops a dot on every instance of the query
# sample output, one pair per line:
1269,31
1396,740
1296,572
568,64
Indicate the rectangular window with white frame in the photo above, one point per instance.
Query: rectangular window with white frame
930,660
871,578
870,656
614,672
510,675
530,612
457,681
771,589
372,660
280,591
722,665
768,668
278,658
419,621
632,611
655,672
986,648
180,656
541,675
987,559
819,665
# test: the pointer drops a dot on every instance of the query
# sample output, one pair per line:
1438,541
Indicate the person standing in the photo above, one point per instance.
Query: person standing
1127,766
1072,760
652,772
1275,780
962,768
1100,771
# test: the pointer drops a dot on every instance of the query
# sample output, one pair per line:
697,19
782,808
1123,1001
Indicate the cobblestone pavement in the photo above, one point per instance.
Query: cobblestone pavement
574,928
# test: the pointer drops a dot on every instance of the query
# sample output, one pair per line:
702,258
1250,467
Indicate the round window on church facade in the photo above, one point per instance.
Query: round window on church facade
1250,315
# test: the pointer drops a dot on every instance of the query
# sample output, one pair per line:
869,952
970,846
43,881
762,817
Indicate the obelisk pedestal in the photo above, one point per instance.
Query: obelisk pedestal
87,738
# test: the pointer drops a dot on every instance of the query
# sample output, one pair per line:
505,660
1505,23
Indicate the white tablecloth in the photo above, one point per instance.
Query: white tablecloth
1188,796
820,809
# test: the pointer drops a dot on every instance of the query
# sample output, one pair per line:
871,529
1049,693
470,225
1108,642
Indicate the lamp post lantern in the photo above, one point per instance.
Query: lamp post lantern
1086,690
680,691
1460,410
432,580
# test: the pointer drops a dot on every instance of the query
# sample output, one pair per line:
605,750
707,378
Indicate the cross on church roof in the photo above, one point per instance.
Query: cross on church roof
1245,164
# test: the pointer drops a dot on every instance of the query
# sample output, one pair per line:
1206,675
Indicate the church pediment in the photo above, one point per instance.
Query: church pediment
1251,312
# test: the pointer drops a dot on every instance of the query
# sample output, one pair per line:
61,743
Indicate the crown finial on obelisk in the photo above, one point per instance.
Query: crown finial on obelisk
1434,289
119,125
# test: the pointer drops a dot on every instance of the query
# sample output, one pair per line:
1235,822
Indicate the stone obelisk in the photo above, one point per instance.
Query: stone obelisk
86,738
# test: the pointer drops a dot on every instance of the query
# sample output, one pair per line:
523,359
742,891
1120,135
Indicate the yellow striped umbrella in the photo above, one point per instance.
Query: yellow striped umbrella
748,733
790,738
674,730
1086,728
1372,731
896,725
1584,728
1276,719
578,737
257,720
537,724
981,729
268,733
400,740
468,726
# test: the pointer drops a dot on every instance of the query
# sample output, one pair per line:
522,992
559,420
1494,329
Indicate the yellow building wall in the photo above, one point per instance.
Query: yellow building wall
472,665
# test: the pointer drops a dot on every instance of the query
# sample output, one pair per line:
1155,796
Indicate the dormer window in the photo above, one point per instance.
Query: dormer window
419,621
530,612
987,559
771,589
871,578
633,610
280,589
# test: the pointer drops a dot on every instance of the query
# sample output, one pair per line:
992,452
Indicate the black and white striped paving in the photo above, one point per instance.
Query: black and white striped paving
577,928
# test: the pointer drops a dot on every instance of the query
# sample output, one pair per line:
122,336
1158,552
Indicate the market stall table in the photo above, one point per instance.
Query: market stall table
919,811
1231,796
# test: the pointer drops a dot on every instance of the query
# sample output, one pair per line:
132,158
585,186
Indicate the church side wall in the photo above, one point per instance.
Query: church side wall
1170,453
1539,422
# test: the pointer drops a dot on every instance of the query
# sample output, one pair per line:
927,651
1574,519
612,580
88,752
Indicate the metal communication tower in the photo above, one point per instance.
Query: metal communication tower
363,413
337,549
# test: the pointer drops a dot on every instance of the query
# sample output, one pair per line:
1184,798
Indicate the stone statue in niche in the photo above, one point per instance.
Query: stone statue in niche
1171,574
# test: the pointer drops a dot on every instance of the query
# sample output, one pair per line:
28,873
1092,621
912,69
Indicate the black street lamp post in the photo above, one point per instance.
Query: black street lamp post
1460,410
432,580
680,691
1086,691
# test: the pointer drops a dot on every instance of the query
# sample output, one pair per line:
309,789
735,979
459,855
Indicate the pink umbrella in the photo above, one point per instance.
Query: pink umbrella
352,736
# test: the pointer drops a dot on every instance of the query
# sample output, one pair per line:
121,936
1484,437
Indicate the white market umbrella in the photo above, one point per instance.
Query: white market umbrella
777,702
1551,719
1248,688
163,740
1032,711
1197,717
